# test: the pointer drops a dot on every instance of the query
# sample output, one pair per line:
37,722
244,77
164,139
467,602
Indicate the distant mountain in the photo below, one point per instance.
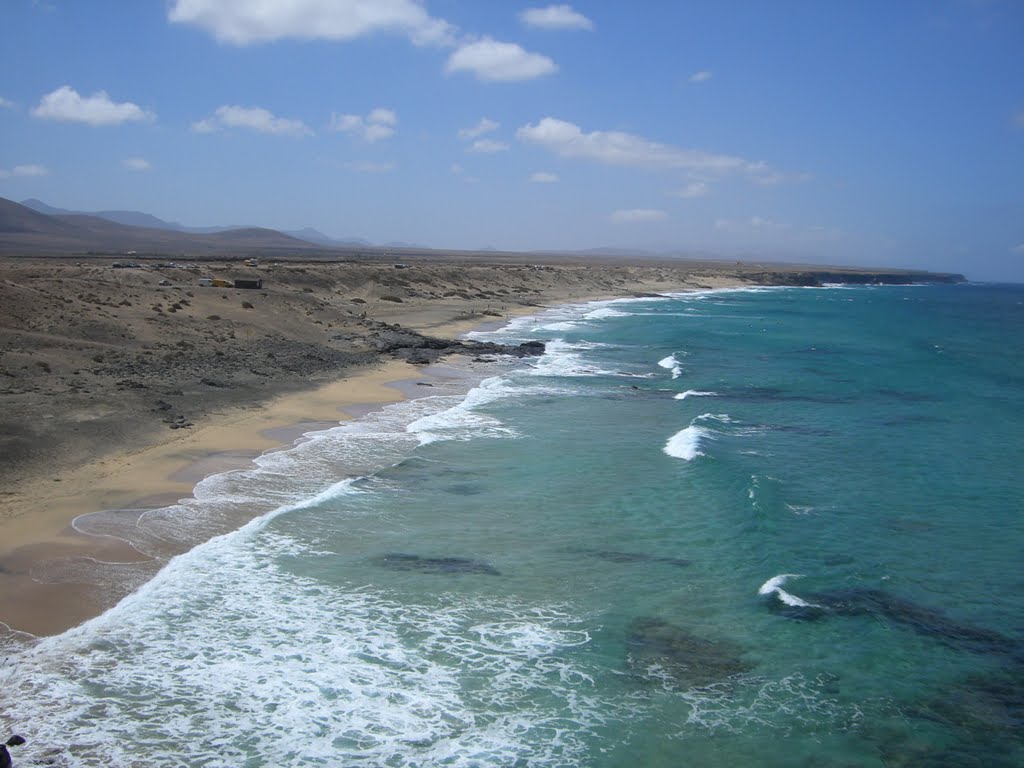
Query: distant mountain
128,218
25,230
139,219
40,207
315,236
16,219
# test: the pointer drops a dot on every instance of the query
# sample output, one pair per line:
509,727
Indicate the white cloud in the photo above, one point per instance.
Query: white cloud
30,170
382,116
24,170
700,77
766,176
484,126
379,124
252,118
1018,249
692,190
136,164
65,104
618,148
486,147
1018,119
625,149
7,104
241,22
638,215
555,17
543,177
493,61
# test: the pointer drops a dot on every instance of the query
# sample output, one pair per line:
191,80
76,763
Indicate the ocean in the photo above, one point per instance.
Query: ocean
757,527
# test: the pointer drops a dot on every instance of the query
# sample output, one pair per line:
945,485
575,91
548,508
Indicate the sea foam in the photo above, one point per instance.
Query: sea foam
774,587
605,312
563,358
685,444
273,663
672,363
694,393
462,421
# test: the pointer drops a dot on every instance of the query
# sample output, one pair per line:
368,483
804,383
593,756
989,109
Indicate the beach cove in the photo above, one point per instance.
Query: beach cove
652,543
128,458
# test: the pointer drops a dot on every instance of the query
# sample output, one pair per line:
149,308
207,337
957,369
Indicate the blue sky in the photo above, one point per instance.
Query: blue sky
850,132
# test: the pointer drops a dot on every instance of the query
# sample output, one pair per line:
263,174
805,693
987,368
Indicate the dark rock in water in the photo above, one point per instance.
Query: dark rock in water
696,661
421,349
924,621
993,703
398,561
981,720
5,756
615,556
802,612
464,489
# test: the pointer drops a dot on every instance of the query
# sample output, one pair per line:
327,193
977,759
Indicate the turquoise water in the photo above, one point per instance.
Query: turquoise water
768,527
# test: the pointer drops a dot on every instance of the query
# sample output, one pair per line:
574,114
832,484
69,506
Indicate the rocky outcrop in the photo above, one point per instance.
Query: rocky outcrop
695,661
420,349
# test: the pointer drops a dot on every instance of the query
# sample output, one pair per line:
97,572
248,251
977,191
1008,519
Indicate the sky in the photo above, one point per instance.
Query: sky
857,132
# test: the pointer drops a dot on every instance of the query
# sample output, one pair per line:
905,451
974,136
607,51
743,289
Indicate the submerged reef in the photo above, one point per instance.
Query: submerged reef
617,556
898,611
399,561
695,661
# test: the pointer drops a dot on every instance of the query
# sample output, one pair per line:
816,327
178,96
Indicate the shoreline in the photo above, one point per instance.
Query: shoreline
160,474
121,454
157,476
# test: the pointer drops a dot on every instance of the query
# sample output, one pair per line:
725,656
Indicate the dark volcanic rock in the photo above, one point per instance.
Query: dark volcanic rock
421,349
616,556
859,601
696,661
981,718
398,561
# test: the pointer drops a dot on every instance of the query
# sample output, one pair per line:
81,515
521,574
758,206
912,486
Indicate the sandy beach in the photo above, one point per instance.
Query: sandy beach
123,388
38,523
